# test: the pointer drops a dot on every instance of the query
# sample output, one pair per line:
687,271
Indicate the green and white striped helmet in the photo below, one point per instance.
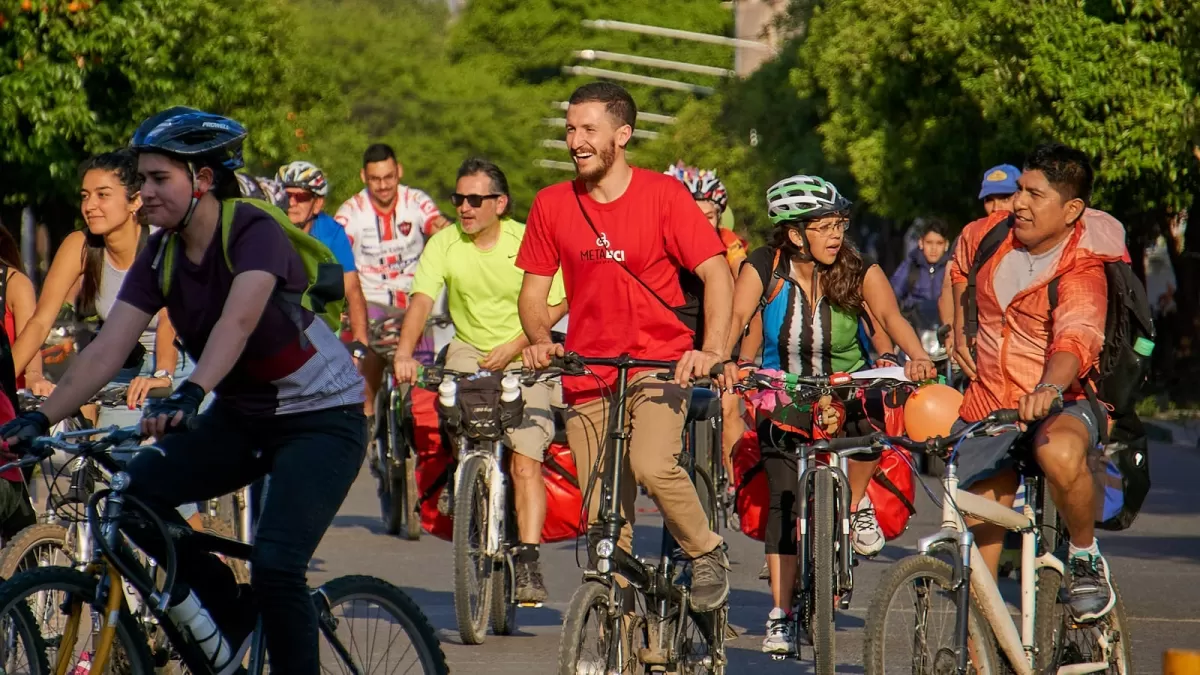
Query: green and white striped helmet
804,198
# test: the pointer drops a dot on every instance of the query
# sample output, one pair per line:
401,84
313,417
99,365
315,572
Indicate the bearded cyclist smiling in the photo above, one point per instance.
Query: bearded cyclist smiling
288,399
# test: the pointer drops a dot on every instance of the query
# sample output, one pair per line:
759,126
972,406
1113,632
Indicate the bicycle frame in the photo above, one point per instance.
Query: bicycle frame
1018,647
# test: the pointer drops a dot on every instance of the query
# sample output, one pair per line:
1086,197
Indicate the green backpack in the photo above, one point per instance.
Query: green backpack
325,295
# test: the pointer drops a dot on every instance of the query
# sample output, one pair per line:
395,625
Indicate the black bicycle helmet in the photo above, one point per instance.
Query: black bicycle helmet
193,136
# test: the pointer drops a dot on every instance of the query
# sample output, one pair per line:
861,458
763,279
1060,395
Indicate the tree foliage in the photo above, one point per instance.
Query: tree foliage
77,77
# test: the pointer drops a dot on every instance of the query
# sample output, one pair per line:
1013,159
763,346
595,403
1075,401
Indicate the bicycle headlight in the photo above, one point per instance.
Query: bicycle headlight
604,548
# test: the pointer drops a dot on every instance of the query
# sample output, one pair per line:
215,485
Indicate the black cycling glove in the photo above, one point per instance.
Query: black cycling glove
186,398
24,428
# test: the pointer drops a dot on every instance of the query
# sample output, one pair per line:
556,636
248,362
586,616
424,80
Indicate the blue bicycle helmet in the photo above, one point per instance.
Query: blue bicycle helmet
196,138
192,135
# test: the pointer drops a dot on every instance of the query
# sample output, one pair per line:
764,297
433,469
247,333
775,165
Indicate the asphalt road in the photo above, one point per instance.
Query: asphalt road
1157,564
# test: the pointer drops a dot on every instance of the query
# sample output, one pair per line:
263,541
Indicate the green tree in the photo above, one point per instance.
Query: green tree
77,77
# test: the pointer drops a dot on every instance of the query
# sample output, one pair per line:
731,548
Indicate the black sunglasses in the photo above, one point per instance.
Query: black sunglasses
475,201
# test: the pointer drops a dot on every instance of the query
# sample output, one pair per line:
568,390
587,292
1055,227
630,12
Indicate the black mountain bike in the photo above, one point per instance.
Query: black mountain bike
651,621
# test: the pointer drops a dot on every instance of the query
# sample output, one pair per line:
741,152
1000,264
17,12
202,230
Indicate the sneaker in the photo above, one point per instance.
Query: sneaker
765,573
710,580
780,639
1089,595
530,587
866,536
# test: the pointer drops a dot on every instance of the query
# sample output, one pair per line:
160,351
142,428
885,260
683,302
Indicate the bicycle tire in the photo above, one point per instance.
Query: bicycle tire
589,596
24,625
18,548
701,440
1053,623
472,621
404,609
130,639
821,628
410,495
900,575
504,609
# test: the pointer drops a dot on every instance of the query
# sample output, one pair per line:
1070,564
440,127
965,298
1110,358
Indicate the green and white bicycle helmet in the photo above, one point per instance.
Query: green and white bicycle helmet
804,198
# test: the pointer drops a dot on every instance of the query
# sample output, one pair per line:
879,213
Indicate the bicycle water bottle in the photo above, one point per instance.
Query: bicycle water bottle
512,407
447,394
189,615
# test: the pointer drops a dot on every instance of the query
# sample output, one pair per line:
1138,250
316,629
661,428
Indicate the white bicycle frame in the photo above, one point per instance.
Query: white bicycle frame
1019,648
497,479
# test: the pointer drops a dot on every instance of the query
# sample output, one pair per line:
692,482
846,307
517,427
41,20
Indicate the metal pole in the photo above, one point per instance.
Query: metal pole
638,79
641,116
594,55
29,245
637,133
605,24
553,164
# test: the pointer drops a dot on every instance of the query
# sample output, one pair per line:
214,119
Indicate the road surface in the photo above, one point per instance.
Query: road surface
1157,564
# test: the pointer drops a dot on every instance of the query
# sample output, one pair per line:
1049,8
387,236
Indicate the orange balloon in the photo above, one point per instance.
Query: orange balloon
931,410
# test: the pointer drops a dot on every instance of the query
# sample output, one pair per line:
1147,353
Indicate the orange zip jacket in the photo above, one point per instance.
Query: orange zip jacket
1013,346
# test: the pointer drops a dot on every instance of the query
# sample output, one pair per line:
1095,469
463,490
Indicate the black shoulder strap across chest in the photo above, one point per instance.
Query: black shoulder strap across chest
987,248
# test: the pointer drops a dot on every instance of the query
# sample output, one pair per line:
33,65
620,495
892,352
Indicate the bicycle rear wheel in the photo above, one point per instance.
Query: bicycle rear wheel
1061,641
472,565
48,596
374,626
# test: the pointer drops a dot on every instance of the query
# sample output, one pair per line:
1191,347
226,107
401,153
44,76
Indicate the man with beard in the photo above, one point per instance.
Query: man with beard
473,261
387,224
620,235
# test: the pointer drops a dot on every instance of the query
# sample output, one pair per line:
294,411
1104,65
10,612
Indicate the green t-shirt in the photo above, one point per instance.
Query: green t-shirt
482,286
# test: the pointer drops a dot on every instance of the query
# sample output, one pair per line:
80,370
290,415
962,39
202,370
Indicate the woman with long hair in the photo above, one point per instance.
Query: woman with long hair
97,258
811,327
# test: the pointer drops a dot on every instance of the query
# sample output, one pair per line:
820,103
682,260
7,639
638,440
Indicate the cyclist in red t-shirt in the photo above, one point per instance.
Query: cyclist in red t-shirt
621,236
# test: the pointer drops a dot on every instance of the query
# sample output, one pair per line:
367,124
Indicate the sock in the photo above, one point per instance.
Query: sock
528,553
1093,550
777,613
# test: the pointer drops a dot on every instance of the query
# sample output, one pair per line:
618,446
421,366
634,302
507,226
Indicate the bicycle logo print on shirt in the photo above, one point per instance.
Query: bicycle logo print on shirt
602,251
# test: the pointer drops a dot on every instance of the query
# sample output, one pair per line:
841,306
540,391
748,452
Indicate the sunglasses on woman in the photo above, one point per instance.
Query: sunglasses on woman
475,201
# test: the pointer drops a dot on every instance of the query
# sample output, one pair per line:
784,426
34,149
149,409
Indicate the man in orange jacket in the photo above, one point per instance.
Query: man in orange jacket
1031,356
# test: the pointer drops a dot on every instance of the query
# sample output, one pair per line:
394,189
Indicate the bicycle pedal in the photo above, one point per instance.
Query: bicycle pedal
530,605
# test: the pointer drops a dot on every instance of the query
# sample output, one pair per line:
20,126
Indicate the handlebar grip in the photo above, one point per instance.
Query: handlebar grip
1006,416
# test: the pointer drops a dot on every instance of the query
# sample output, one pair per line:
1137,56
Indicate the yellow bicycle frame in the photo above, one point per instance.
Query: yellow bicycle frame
108,625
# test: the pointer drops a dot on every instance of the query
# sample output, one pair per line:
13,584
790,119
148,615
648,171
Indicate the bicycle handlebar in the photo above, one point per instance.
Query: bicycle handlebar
45,446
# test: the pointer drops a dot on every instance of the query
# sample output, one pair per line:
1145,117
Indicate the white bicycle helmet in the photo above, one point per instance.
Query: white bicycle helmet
804,198
704,185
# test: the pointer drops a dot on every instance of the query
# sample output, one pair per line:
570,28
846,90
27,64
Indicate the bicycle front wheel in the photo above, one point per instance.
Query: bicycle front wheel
591,639
40,545
820,599
61,602
370,626
472,565
911,623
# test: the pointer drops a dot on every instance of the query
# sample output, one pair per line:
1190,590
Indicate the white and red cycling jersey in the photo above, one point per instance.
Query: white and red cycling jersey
387,246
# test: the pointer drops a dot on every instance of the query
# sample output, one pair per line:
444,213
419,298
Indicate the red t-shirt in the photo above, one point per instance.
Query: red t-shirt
654,229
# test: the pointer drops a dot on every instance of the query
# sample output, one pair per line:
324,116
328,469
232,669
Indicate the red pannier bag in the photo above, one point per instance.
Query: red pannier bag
435,471
753,493
893,487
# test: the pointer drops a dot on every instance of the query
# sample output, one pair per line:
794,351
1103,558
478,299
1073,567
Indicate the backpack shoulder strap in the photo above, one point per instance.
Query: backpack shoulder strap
910,282
774,283
228,209
164,262
1052,293
987,248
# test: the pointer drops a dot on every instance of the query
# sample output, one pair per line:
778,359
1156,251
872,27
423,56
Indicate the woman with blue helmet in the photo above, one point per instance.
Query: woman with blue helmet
288,399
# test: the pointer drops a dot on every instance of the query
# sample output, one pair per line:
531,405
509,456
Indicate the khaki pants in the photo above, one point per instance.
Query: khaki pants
656,412
536,431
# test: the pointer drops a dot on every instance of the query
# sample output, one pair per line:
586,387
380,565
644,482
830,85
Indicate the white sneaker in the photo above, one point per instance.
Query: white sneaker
866,535
779,638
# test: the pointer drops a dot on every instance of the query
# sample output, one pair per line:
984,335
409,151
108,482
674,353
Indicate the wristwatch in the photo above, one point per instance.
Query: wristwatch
164,375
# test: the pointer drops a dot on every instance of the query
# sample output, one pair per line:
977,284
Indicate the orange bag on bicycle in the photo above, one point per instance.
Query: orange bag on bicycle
564,501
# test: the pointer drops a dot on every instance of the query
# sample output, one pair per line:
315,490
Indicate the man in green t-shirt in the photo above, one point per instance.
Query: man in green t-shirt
474,261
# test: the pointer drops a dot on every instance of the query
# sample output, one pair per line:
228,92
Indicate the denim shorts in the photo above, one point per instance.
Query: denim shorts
985,456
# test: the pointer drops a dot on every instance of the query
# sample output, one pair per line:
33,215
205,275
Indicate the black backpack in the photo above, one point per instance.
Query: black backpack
1121,471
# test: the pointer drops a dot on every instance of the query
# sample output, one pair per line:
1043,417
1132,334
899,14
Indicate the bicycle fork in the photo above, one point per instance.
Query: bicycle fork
844,562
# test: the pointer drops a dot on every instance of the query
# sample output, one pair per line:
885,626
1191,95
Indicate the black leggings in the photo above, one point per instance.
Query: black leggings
311,458
782,477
